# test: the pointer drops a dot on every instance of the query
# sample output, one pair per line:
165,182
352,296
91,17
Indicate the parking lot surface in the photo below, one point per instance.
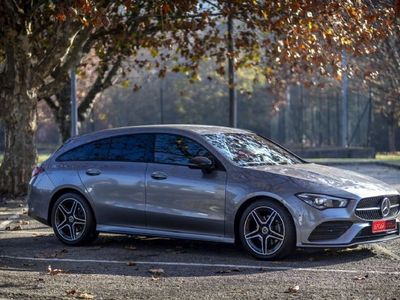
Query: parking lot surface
35,265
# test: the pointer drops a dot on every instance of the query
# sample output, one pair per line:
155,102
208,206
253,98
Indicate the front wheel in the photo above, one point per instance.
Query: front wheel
73,221
266,230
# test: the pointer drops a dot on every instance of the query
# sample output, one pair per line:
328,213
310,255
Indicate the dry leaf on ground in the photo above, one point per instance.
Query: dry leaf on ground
130,247
52,271
361,277
293,289
71,292
85,296
15,228
157,272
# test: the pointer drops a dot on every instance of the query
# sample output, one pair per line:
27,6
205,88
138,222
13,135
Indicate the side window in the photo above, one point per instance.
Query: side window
177,150
97,150
131,148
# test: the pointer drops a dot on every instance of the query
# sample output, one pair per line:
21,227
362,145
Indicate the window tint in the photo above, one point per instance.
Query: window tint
129,148
178,150
120,148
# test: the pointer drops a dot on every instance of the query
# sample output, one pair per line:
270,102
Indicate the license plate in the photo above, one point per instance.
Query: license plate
384,225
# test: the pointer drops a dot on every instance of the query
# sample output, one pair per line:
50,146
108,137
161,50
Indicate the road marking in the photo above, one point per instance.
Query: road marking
188,264
4,224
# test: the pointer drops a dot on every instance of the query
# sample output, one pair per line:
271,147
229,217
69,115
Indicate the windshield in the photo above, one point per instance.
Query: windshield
247,149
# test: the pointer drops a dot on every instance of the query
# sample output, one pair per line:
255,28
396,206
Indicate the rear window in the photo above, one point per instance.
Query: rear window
131,148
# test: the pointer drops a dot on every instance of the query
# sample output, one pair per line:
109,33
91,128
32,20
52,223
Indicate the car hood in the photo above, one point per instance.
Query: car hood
334,181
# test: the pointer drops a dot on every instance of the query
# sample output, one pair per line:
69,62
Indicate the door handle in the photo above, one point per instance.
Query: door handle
158,175
93,172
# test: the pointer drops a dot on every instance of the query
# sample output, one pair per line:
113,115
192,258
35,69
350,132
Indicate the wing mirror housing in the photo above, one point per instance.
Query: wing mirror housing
201,162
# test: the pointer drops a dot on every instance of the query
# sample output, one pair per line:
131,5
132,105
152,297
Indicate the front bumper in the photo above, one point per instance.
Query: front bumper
357,234
346,228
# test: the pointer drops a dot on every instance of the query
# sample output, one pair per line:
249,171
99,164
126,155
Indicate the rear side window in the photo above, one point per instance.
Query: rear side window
177,150
131,148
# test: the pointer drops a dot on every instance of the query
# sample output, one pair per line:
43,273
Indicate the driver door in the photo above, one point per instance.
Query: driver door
179,198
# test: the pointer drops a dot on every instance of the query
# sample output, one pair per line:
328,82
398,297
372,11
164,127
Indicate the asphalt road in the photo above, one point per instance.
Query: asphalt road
123,267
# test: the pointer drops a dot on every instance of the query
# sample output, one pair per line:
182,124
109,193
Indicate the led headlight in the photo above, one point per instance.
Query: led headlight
323,201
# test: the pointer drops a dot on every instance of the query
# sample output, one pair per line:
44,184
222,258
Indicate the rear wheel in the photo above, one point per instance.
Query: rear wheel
266,230
73,221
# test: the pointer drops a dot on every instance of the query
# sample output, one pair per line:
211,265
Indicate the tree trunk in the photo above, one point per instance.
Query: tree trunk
392,136
19,103
63,113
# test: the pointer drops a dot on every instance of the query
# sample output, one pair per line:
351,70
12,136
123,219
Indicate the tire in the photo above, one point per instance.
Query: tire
266,222
73,221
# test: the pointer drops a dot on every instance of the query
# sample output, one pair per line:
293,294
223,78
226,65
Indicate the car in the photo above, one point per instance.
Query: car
207,183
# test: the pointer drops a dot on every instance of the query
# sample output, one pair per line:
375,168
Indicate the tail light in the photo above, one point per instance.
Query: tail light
37,170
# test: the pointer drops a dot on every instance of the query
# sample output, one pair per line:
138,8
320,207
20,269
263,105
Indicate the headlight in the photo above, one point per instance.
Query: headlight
323,201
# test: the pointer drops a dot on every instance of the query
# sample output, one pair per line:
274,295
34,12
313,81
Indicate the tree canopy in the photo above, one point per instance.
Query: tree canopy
41,40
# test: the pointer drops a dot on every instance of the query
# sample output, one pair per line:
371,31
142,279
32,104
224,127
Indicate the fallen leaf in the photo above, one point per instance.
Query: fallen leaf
131,264
130,247
70,293
293,289
52,271
361,277
85,296
15,228
157,272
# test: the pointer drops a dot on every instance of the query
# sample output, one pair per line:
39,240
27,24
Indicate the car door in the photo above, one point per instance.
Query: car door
179,198
113,172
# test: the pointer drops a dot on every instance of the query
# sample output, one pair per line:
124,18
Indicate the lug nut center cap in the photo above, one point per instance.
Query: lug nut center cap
71,219
264,230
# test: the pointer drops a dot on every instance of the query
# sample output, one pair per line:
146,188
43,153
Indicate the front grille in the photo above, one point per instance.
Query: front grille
366,235
329,230
370,208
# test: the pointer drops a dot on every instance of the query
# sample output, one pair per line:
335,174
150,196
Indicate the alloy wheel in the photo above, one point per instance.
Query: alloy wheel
70,219
264,230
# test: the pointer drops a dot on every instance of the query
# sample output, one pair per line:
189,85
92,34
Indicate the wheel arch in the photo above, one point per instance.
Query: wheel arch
250,201
61,192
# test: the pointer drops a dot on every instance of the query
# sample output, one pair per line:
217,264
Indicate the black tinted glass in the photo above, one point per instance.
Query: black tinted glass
131,148
175,149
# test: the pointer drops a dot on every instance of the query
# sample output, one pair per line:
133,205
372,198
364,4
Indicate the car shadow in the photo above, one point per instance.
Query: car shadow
135,256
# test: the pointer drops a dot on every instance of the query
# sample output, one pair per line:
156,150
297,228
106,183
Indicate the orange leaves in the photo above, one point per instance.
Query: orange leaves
346,41
61,17
165,8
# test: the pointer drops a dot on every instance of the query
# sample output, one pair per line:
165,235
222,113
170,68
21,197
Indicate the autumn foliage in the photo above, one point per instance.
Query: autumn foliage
41,40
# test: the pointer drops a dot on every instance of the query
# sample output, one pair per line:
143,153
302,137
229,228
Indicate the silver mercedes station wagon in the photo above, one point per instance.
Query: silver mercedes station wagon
207,183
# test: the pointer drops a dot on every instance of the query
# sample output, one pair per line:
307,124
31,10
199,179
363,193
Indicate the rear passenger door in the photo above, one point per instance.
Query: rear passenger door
179,198
113,172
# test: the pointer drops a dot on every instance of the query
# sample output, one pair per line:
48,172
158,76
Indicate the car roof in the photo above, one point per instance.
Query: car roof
164,128
199,129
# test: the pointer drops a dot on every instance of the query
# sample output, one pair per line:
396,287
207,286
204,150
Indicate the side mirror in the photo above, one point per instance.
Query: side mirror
201,162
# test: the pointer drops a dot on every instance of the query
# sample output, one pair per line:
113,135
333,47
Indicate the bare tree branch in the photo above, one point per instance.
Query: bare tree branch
102,82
